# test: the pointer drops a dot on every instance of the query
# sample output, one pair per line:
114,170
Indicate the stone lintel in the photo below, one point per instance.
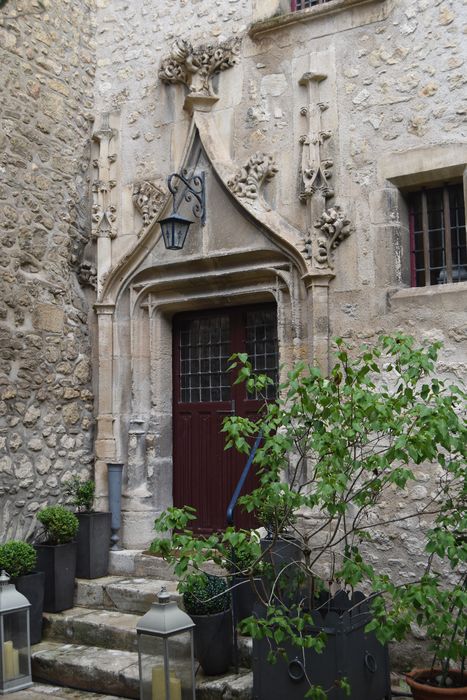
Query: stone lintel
425,164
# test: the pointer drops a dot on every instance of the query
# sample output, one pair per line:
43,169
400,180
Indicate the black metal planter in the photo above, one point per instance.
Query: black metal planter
349,653
58,562
32,586
244,595
282,557
93,544
213,641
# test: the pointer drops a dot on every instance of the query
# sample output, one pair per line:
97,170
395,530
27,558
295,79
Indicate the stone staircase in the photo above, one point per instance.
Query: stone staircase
93,646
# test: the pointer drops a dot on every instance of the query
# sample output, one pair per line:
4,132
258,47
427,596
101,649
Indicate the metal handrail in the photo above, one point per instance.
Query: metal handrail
241,481
230,520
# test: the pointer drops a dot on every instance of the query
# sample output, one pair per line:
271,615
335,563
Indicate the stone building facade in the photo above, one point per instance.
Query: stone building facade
46,398
312,129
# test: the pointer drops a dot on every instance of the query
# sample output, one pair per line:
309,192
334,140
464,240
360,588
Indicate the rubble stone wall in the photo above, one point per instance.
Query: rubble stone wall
46,398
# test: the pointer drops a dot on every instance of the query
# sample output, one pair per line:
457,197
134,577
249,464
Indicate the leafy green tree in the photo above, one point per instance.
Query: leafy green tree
334,449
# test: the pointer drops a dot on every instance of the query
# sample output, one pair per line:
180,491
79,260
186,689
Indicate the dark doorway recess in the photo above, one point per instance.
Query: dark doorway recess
205,474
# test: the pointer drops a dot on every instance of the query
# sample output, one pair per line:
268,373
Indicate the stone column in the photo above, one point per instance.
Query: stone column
105,440
317,285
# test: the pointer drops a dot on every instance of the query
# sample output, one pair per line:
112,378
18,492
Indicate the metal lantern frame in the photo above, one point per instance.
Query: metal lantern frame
164,621
12,602
175,227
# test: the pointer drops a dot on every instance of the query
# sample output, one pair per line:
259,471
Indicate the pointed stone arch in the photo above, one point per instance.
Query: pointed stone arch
246,254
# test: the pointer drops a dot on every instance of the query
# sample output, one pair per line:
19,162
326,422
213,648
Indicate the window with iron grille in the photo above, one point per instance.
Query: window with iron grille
303,4
437,236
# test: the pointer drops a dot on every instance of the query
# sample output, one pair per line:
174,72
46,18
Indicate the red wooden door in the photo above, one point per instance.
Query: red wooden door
204,474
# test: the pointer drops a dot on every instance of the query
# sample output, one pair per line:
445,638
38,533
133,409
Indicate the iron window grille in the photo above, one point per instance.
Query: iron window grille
438,249
296,5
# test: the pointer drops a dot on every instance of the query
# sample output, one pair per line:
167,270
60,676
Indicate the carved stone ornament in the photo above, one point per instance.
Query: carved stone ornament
148,199
334,227
315,167
103,222
248,181
195,67
87,275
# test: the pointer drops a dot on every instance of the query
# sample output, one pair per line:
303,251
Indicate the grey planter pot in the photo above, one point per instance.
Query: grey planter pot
93,544
58,562
213,643
32,586
114,475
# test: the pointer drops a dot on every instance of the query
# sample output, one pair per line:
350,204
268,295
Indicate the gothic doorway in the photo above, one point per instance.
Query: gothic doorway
205,474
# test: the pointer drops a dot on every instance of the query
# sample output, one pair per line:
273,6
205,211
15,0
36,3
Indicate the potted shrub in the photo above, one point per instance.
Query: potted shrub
19,560
56,556
441,609
334,448
207,601
346,442
93,538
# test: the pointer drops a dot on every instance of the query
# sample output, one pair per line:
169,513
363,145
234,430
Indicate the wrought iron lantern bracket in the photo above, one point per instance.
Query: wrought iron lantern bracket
194,193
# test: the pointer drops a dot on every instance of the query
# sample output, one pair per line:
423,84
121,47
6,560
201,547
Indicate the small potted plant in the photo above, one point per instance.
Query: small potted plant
247,569
207,601
19,560
442,610
93,538
56,556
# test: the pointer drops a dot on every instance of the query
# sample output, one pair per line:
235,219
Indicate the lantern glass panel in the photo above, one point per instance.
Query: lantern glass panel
155,654
14,646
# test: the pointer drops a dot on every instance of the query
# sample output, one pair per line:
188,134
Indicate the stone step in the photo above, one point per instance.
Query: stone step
42,691
116,672
125,594
111,629
134,562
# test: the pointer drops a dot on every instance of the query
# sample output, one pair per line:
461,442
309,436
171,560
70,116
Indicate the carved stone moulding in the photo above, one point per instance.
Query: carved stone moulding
247,182
148,199
196,66
334,227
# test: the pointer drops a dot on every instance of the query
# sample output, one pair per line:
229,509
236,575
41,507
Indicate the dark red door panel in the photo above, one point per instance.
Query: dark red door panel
205,475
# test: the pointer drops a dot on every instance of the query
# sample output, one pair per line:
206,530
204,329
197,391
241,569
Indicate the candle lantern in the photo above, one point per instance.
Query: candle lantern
165,639
15,649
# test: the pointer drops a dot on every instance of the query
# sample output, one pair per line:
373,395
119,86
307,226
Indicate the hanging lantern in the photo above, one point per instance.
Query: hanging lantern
192,190
174,230
165,634
15,649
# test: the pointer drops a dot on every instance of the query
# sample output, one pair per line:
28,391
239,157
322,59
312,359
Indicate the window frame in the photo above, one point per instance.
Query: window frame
418,204
314,3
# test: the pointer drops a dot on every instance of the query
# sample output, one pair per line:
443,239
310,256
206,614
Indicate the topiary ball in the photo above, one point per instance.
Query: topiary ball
60,524
205,594
17,558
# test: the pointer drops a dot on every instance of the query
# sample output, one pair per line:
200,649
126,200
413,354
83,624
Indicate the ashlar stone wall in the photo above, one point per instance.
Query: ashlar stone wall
386,102
46,398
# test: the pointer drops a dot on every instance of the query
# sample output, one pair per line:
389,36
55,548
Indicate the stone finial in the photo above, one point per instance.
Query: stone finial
248,181
334,227
195,67
148,199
